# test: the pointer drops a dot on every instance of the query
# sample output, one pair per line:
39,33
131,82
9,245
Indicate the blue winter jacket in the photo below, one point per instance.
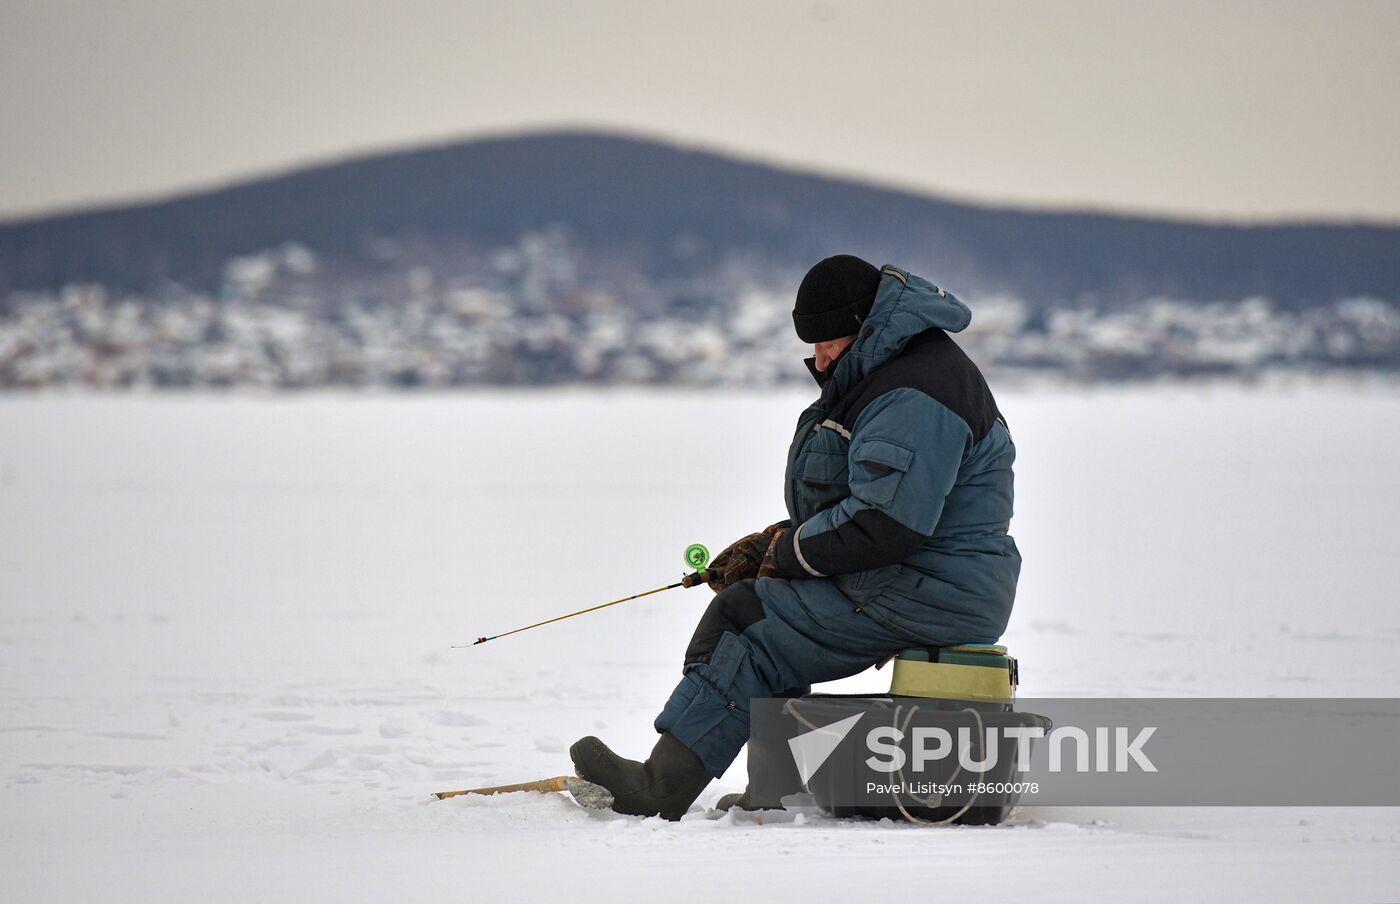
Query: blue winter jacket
899,480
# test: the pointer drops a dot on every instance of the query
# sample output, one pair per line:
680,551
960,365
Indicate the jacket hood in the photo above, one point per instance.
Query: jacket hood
905,306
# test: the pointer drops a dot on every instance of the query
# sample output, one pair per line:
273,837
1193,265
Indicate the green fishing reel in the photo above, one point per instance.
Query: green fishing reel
697,557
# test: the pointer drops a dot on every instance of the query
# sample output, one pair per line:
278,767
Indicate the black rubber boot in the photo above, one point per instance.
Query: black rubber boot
772,776
665,785
734,799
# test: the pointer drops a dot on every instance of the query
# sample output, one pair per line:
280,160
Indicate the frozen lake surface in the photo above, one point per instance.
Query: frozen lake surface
225,625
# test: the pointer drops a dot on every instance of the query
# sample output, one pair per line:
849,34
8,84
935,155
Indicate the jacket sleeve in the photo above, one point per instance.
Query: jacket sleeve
906,449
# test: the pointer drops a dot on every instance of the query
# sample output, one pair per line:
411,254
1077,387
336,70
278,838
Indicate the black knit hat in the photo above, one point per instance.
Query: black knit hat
835,296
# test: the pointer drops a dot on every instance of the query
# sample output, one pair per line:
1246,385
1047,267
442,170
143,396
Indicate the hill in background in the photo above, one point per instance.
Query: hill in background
587,257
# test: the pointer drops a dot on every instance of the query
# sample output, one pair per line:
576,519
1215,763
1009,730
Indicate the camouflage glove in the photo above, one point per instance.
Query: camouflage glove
741,559
769,566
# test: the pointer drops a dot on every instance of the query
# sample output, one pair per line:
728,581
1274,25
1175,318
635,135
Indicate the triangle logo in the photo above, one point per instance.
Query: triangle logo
811,750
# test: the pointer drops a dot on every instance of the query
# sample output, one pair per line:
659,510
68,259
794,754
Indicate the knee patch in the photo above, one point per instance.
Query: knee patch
734,610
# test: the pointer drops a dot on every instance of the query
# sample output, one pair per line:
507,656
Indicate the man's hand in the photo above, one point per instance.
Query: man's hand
769,567
743,558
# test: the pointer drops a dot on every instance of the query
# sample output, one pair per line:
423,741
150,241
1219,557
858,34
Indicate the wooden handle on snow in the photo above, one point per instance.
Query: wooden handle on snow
558,783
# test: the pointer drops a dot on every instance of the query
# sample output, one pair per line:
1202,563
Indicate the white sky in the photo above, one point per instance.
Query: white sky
1242,110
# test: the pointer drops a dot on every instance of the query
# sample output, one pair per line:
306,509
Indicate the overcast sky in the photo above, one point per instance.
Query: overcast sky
1240,110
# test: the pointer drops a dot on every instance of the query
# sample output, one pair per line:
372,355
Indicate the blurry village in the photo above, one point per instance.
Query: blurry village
535,314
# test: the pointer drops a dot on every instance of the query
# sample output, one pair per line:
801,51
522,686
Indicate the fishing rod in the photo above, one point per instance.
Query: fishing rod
696,556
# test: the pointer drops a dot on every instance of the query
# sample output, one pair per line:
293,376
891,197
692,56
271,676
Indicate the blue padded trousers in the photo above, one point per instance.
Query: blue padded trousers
758,639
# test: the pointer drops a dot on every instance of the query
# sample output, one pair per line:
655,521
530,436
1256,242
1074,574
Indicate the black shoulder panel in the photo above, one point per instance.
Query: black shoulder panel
933,364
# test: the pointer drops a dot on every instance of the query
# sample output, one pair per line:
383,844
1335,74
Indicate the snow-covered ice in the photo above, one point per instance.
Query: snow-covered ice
225,631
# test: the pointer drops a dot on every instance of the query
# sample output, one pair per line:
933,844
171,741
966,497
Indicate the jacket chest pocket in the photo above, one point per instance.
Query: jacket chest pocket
879,467
822,469
820,482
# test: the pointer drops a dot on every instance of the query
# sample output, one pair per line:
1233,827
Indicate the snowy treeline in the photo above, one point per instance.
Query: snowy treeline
525,316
